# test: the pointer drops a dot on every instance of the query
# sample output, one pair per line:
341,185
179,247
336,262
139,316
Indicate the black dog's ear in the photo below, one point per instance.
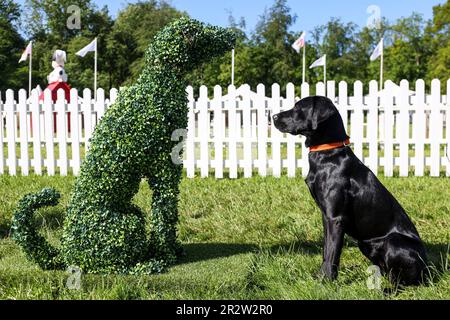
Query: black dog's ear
323,109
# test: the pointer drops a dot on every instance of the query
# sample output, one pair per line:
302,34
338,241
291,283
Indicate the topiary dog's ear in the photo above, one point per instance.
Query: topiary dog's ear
323,109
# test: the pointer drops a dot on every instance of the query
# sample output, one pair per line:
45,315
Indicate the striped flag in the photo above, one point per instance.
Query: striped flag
299,43
27,52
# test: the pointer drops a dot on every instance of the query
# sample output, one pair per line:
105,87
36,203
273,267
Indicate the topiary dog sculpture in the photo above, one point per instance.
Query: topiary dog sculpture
103,231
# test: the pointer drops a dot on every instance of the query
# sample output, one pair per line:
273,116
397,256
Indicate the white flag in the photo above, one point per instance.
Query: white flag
378,51
320,62
299,43
27,52
91,47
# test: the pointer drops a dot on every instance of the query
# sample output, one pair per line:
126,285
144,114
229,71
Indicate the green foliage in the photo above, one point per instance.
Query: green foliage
26,235
10,45
104,232
439,62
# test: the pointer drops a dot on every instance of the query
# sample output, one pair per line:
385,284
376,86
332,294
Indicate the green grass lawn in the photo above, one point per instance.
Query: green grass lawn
244,239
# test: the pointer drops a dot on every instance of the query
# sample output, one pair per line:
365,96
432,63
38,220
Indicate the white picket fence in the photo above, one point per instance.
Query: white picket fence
395,131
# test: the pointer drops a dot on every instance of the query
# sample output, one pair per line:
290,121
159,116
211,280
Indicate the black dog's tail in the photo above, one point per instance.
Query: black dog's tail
26,235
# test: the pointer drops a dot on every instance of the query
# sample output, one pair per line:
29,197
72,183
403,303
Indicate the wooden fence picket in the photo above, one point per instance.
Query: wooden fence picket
247,126
435,129
75,132
275,134
387,102
23,117
305,151
2,130
262,129
403,128
447,124
87,115
357,121
232,133
62,132
204,131
190,143
49,133
372,127
218,130
291,158
419,129
11,132
35,110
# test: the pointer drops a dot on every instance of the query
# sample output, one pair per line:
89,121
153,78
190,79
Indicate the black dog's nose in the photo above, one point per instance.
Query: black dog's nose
275,117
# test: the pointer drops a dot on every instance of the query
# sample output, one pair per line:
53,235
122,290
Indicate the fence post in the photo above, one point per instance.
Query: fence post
262,129
291,159
403,134
218,131
435,128
372,126
11,132
49,132
190,143
204,131
23,116
275,133
305,151
419,129
246,117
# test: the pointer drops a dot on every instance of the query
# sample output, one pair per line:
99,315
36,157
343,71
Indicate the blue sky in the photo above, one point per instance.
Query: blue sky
310,13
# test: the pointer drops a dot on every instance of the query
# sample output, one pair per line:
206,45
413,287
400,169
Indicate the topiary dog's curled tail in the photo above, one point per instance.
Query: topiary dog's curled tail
25,234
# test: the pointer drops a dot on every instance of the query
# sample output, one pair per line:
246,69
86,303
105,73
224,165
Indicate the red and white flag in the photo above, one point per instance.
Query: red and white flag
299,43
27,52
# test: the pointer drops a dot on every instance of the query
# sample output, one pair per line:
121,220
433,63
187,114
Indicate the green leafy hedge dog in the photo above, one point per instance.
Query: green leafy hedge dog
103,231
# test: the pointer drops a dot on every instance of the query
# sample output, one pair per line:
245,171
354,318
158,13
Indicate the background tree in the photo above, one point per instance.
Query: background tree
438,39
11,44
415,48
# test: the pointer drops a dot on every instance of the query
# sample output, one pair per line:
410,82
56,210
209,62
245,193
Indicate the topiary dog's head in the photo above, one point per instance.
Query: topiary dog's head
185,44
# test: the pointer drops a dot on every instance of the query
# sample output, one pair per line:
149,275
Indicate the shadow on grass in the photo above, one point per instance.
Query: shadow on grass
438,256
51,219
198,252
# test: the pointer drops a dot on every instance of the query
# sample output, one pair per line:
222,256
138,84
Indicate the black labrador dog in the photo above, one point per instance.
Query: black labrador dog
352,200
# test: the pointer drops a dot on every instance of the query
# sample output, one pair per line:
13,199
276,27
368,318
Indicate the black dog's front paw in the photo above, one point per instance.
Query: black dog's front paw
328,272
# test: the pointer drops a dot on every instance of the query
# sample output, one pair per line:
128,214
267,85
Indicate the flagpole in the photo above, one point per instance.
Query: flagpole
30,76
95,71
232,67
325,74
381,65
304,63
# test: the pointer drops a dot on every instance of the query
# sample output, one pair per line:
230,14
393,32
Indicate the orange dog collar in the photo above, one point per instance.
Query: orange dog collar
330,146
